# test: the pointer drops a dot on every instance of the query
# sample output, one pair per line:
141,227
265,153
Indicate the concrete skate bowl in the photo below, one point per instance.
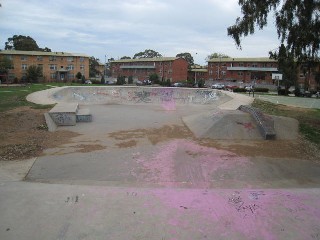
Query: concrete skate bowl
167,97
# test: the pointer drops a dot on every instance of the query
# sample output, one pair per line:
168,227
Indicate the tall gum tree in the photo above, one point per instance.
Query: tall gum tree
296,21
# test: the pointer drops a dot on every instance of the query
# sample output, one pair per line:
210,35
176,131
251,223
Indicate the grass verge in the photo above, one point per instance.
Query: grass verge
15,96
309,119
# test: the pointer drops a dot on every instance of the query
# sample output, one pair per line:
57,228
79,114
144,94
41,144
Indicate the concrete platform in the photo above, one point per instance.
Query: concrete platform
64,114
144,171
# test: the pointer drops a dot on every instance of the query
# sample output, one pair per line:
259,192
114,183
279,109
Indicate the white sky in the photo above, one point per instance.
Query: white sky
124,27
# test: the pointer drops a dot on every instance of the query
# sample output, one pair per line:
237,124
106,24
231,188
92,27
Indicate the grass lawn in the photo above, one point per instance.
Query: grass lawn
15,96
309,119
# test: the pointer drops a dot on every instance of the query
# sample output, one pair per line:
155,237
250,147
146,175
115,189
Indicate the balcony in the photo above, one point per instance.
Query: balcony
138,67
253,69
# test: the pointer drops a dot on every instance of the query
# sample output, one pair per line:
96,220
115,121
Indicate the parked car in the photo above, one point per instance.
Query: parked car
138,83
249,88
217,86
147,82
177,84
87,82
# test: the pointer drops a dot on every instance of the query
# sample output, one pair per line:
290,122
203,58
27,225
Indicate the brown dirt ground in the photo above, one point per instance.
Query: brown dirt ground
299,149
23,135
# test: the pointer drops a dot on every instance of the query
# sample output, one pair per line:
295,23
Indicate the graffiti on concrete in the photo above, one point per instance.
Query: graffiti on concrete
63,119
136,95
243,208
143,96
78,96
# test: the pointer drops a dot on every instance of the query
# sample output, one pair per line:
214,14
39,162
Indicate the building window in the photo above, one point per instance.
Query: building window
210,72
254,65
53,76
52,58
24,58
9,57
81,67
53,67
81,59
39,58
240,64
71,76
240,73
70,67
24,66
70,59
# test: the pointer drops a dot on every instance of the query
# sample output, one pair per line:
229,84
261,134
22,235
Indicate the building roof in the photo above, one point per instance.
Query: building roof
156,59
40,53
199,70
260,59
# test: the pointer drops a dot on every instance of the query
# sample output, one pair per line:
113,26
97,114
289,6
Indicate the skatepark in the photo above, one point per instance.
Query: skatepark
163,163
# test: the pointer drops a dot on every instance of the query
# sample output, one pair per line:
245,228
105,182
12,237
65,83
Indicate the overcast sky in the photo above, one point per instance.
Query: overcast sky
124,27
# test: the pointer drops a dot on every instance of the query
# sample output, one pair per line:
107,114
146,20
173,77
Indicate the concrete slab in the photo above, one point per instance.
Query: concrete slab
41,211
134,186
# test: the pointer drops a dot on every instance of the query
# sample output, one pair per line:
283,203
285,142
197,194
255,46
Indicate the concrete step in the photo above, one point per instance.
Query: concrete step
64,114
83,115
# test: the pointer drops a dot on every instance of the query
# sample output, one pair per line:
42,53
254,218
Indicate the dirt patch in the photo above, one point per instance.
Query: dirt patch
23,134
298,148
127,144
154,135
84,148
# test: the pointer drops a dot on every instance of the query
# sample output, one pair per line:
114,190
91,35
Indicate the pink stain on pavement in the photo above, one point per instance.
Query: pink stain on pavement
194,162
242,214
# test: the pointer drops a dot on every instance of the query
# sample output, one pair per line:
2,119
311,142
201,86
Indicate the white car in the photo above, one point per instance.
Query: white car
217,86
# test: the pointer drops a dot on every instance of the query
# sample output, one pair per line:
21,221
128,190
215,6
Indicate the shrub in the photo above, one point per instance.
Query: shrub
239,90
121,80
130,80
261,90
95,81
282,92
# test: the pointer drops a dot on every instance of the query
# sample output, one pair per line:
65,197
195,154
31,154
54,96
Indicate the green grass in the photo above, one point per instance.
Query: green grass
309,119
13,97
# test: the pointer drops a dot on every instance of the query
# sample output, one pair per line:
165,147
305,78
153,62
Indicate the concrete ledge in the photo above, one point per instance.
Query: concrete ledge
64,114
266,125
83,115
52,126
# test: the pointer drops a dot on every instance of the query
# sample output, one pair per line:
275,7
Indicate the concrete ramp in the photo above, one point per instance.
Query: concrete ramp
236,125
223,125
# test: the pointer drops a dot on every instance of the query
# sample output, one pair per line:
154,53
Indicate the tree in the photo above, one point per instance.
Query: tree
23,43
93,66
148,53
216,55
317,79
78,75
33,73
121,80
297,24
188,57
287,66
153,77
125,57
5,64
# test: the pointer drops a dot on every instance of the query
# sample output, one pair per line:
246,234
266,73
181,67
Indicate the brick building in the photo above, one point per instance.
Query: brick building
56,66
245,70
257,70
198,73
172,68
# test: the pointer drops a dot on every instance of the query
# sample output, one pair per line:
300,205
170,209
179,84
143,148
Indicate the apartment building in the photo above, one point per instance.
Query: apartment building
172,68
244,70
56,66
198,73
